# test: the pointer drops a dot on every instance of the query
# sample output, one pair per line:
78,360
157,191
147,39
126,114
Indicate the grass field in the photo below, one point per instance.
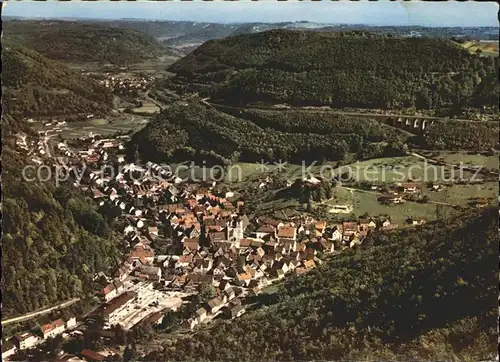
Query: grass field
381,171
487,48
367,203
461,194
469,159
103,127
149,108
401,169
244,171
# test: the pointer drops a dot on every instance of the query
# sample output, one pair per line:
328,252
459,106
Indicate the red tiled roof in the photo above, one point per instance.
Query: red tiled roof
51,326
92,355
286,232
192,243
411,185
186,258
245,243
119,301
349,226
266,229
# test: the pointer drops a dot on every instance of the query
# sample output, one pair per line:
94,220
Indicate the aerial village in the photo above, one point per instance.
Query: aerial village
179,234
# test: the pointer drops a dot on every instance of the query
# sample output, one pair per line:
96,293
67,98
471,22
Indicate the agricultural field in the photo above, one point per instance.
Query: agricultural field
401,169
462,194
148,108
366,202
103,127
468,159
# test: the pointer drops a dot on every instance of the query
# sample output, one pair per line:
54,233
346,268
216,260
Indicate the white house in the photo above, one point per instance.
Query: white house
53,329
8,349
71,323
26,340
336,235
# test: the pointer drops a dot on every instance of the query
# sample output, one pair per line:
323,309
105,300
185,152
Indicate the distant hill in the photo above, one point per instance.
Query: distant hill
346,69
82,41
179,33
34,85
425,294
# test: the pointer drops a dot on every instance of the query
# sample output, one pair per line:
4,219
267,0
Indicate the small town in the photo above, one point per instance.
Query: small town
181,235
248,182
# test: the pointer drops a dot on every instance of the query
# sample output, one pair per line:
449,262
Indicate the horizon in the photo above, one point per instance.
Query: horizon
382,13
76,18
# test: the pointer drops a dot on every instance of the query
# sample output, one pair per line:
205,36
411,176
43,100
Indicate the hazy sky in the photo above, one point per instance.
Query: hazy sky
382,12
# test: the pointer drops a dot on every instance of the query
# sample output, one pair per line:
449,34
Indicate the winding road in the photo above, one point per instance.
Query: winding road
31,315
207,102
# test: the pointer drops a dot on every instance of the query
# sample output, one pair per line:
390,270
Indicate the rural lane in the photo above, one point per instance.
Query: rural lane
31,315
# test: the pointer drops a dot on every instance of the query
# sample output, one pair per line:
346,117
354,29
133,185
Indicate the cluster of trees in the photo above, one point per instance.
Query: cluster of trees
342,70
393,299
79,42
195,132
37,86
54,239
322,123
460,135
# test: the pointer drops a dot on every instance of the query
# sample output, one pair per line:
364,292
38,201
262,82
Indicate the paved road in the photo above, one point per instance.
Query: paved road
31,315
464,167
207,102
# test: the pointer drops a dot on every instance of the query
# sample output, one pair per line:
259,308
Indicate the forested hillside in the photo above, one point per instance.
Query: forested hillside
422,294
354,69
80,42
35,85
456,135
54,240
191,131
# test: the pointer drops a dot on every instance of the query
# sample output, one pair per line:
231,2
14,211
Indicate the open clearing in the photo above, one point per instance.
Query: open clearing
367,203
490,162
103,127
147,107
486,47
380,171
461,194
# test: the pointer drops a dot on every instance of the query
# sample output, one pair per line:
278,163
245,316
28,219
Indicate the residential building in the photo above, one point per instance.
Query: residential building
235,311
92,356
71,323
26,340
116,305
8,349
201,314
149,272
52,329
111,290
214,305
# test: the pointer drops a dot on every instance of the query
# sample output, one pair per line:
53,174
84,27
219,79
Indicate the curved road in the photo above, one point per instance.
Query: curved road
31,315
207,102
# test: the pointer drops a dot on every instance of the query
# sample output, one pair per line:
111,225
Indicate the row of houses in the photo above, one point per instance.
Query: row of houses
43,331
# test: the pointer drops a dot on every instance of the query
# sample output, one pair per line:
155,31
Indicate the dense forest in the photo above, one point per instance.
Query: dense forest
457,135
80,42
54,239
425,294
192,131
35,85
353,69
